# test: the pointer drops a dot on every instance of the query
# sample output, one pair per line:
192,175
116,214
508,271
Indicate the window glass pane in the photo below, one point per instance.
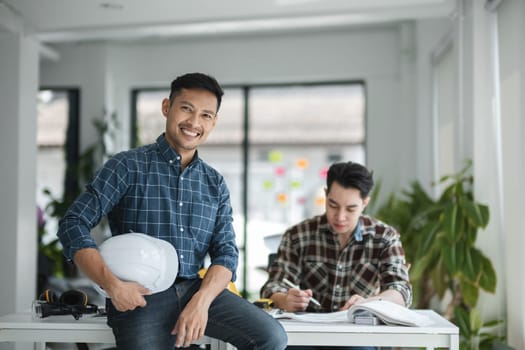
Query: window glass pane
52,121
229,129
150,121
320,114
295,134
222,150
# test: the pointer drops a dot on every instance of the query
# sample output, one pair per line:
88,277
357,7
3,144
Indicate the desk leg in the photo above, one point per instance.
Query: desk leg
454,342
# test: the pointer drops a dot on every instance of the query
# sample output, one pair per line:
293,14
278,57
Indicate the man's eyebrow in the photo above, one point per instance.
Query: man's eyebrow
191,104
187,103
347,206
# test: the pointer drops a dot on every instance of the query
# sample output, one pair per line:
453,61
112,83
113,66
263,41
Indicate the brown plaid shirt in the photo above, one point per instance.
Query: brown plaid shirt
310,256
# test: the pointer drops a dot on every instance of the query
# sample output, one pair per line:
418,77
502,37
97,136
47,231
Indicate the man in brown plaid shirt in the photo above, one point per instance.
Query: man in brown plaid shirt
342,257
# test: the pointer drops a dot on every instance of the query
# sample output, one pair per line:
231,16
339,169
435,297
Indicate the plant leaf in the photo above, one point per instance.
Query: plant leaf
450,222
462,318
472,264
449,258
474,212
488,278
470,292
475,321
428,236
485,214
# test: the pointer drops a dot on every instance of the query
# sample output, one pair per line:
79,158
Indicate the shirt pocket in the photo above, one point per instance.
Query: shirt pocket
315,274
202,221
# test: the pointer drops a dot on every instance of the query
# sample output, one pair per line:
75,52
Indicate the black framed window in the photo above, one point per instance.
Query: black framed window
58,112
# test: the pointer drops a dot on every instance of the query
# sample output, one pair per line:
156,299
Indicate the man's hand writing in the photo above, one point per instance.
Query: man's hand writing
297,299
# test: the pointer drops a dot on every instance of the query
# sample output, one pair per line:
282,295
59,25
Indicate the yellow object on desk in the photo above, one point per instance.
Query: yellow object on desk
264,303
231,286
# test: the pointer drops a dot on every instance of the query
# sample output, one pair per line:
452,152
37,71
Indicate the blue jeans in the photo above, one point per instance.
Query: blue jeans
230,318
330,348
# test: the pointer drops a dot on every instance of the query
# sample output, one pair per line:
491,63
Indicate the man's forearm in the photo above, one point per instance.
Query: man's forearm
214,282
91,263
390,295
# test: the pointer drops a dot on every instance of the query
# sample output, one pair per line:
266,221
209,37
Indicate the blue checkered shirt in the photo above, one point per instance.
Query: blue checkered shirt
144,190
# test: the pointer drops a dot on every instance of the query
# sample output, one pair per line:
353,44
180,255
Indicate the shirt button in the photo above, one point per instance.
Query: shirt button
338,286
340,267
182,256
178,157
180,204
334,307
171,161
181,229
182,178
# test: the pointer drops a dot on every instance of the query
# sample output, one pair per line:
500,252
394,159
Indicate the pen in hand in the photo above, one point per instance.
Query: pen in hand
291,285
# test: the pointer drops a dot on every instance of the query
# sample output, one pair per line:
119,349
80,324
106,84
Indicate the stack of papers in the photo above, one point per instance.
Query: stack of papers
387,312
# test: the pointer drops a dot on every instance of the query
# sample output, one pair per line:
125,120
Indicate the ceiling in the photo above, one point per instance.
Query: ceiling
54,21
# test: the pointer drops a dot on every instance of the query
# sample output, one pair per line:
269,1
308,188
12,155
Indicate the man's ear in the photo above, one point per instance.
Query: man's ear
366,201
165,107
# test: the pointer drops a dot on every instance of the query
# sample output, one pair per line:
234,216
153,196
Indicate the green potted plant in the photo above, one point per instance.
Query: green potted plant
439,236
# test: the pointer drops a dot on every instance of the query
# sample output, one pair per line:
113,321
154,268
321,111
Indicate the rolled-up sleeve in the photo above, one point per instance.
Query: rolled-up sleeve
394,270
99,197
223,247
75,227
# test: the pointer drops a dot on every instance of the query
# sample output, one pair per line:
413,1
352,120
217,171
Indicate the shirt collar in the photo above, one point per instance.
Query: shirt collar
169,153
358,231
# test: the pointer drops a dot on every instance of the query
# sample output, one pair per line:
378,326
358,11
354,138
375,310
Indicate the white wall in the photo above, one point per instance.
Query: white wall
511,22
374,55
81,66
18,239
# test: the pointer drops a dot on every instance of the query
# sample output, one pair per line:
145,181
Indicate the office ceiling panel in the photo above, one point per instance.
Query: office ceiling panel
77,20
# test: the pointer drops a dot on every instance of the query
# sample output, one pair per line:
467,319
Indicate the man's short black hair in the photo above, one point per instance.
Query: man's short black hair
351,175
196,81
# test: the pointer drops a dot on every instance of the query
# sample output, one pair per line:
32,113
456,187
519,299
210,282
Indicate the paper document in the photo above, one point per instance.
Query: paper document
338,316
387,312
391,313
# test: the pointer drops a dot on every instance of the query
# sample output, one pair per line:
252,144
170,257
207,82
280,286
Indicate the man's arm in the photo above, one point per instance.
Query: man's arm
395,285
193,319
294,300
389,295
124,295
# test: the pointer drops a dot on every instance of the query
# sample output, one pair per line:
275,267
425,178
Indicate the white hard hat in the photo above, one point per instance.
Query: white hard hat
140,258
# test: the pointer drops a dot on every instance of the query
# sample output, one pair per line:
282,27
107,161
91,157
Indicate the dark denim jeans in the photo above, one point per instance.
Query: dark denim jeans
330,348
230,318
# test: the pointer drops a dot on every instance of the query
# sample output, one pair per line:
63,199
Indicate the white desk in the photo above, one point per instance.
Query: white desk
441,334
21,328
